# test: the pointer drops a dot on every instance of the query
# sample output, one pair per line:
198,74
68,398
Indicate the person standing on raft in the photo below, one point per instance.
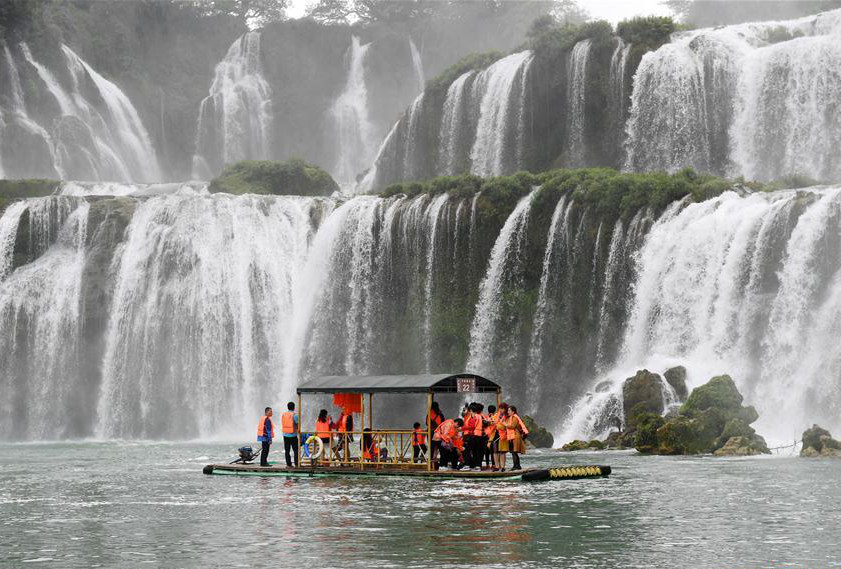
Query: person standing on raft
289,422
517,433
265,434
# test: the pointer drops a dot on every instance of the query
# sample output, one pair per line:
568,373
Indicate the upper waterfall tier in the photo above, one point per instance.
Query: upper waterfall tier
75,124
753,99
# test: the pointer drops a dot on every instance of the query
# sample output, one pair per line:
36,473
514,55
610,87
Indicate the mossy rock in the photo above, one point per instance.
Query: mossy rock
641,394
538,436
575,445
12,190
596,445
676,378
645,439
743,446
818,442
719,393
291,178
734,428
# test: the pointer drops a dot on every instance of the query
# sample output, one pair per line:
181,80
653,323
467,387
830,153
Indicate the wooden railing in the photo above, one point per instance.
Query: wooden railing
385,448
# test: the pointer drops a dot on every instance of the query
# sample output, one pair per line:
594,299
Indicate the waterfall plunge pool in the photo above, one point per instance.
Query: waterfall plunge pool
120,504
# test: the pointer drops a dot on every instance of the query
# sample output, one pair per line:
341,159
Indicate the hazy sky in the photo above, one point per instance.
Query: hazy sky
611,10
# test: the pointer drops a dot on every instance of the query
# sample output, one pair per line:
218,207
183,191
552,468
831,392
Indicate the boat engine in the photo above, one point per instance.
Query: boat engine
246,455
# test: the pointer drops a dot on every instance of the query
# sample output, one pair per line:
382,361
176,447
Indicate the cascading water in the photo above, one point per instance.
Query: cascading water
453,134
503,276
88,130
745,285
351,124
619,95
751,99
576,101
235,118
501,90
417,63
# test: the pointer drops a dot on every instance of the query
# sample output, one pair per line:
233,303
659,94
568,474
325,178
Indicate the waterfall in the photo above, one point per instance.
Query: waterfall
746,285
42,304
417,63
752,99
453,135
618,95
576,102
193,346
503,276
9,222
557,251
352,127
235,119
94,130
501,90
433,216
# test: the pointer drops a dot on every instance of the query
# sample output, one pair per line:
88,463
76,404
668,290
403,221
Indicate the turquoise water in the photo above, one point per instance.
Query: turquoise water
125,505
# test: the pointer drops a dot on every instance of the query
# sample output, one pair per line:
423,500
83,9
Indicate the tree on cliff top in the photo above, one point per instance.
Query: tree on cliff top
253,12
708,13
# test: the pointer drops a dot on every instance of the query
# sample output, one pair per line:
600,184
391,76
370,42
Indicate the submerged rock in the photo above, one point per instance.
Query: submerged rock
583,445
818,443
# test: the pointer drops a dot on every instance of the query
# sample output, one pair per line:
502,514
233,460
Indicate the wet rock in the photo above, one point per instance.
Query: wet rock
574,445
676,378
538,436
642,394
818,443
710,419
743,446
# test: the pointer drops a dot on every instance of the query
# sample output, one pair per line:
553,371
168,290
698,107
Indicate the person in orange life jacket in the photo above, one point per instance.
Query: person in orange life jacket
517,434
323,430
343,428
502,436
467,433
418,443
479,445
448,435
433,421
289,422
371,449
265,434
488,436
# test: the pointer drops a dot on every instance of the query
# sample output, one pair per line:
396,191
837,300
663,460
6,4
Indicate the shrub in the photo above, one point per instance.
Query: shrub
293,177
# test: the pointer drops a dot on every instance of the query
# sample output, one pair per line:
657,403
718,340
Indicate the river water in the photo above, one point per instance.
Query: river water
127,504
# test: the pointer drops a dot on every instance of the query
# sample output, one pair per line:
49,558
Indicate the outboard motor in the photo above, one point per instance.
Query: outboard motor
246,455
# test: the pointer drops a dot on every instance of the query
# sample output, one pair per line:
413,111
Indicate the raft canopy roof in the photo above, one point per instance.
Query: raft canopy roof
425,383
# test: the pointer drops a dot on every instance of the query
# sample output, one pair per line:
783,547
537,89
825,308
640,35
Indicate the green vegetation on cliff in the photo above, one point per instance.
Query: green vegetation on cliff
293,177
611,193
11,190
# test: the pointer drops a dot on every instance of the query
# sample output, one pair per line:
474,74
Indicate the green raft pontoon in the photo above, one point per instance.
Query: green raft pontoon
395,459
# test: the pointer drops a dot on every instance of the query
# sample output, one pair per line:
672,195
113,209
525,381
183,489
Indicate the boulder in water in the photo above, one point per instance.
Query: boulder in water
711,418
743,446
676,377
539,437
642,394
583,445
818,443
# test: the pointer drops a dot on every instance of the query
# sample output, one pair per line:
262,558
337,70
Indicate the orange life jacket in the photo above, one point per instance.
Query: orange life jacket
446,431
261,427
469,423
418,438
490,430
523,428
434,419
322,429
342,424
500,426
288,422
479,427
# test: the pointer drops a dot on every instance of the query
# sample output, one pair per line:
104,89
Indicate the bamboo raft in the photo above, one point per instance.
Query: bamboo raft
525,475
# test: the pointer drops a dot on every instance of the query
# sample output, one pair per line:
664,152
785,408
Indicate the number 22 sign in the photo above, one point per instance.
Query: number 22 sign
465,384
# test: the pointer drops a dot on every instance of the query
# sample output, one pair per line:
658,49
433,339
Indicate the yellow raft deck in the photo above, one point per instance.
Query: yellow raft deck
525,475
